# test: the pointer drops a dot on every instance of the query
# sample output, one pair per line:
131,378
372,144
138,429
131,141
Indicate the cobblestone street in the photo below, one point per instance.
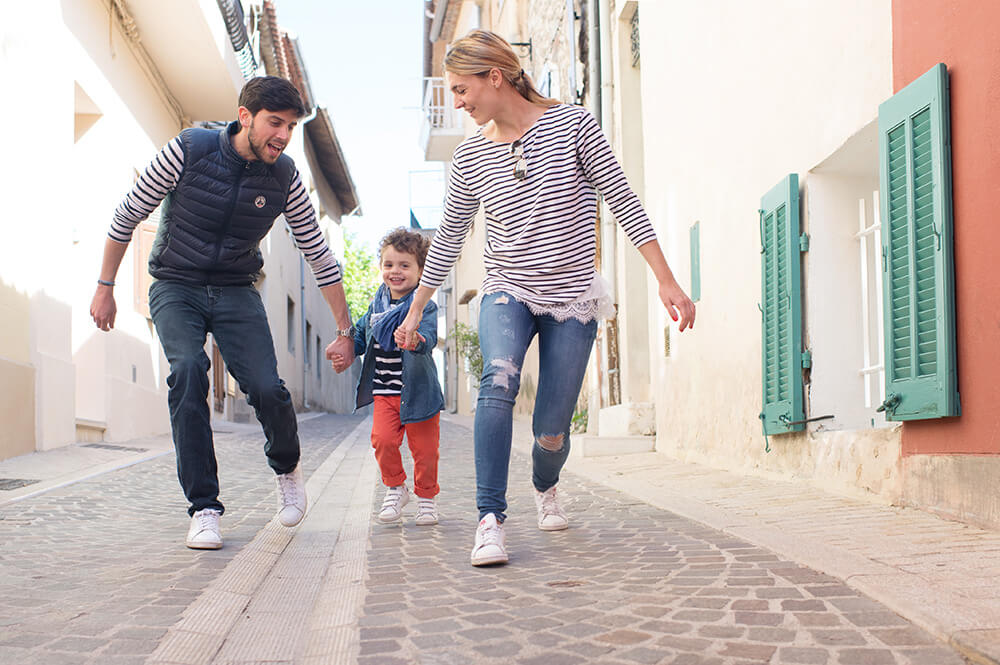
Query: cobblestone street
97,572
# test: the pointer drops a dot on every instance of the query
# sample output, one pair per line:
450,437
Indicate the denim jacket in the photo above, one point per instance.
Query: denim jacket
421,396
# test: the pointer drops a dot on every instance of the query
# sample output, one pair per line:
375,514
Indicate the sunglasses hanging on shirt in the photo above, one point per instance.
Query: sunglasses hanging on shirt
521,166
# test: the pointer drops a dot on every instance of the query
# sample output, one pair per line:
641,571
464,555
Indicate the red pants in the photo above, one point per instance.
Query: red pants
423,439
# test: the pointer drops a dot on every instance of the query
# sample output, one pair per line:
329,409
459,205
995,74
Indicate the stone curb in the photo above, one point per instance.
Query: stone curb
265,604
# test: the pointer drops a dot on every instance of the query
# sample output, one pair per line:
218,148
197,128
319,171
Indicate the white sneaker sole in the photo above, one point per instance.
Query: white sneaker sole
426,521
390,520
290,522
489,560
553,527
204,546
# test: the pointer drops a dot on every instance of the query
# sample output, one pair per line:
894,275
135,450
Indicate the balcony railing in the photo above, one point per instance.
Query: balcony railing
443,126
232,12
439,106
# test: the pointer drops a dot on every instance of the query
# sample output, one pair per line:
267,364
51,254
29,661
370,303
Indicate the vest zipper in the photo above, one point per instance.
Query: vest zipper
229,212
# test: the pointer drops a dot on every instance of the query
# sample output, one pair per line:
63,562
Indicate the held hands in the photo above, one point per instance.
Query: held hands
676,301
103,308
403,341
406,334
340,353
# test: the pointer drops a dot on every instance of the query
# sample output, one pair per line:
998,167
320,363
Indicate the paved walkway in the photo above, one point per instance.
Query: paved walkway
943,576
96,571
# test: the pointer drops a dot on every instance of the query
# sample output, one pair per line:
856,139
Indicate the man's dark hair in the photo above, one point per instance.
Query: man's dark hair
407,242
272,93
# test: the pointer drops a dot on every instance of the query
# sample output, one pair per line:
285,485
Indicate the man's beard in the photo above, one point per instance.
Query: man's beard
259,151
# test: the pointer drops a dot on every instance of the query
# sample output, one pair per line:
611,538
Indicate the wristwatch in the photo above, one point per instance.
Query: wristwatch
347,332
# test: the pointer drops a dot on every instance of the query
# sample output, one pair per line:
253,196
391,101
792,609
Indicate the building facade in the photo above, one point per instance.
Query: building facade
116,85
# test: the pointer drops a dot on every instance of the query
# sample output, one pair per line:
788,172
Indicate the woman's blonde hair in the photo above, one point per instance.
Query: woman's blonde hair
480,51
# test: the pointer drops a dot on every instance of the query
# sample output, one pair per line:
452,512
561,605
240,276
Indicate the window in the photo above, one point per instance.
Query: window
85,112
696,262
872,332
842,286
307,356
917,260
781,309
291,326
319,358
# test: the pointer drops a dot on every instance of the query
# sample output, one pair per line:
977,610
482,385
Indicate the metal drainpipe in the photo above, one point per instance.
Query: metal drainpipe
570,18
594,58
302,324
594,89
610,249
302,272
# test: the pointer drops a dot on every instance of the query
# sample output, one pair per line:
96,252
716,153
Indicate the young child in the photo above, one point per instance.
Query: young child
403,384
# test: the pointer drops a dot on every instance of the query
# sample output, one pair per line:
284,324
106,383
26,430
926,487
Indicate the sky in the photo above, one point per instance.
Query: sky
365,65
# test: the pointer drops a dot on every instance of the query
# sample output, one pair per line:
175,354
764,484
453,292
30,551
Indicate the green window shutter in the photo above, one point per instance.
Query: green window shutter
781,295
917,262
696,262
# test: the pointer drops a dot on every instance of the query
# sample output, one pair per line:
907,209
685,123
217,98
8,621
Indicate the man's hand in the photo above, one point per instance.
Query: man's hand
103,307
340,353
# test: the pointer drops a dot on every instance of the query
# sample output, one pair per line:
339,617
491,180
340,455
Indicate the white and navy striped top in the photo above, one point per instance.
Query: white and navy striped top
162,176
541,239
388,378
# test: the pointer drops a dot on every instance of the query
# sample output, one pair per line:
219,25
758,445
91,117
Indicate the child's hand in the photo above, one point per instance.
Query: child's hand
340,353
400,337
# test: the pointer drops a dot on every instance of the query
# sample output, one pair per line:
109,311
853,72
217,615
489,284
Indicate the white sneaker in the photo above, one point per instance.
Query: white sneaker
489,547
550,515
427,513
204,531
392,505
291,497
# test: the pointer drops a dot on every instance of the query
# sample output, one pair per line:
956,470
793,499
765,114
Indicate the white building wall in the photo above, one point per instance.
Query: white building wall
734,97
67,187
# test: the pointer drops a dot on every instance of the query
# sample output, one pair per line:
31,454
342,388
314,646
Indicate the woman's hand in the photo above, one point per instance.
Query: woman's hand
676,301
401,340
406,334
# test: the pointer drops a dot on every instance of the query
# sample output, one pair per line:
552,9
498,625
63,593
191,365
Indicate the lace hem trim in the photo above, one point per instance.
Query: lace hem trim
594,303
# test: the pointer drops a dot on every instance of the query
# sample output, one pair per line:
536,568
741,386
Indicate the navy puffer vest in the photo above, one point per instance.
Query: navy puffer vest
212,223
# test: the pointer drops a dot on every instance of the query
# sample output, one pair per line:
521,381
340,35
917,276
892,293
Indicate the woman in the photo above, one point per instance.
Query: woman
534,165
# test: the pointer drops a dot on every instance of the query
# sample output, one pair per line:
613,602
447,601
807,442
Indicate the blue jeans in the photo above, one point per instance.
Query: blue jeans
506,328
183,315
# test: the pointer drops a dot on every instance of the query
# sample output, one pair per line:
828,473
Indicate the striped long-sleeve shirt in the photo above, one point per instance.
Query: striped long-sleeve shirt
541,240
162,176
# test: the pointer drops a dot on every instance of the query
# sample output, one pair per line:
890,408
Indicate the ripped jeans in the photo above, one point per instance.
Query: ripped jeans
506,328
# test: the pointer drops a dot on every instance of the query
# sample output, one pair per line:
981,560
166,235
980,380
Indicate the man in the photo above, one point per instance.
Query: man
221,192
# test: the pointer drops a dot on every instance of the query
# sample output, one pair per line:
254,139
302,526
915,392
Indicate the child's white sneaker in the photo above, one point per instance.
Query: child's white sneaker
392,505
427,513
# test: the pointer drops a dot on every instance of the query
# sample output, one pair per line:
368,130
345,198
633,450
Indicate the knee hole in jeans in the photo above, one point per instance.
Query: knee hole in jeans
551,442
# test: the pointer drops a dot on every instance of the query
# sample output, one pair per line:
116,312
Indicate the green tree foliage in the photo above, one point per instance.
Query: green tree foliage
361,275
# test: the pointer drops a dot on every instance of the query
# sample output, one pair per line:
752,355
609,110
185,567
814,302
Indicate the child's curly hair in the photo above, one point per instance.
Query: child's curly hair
406,241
